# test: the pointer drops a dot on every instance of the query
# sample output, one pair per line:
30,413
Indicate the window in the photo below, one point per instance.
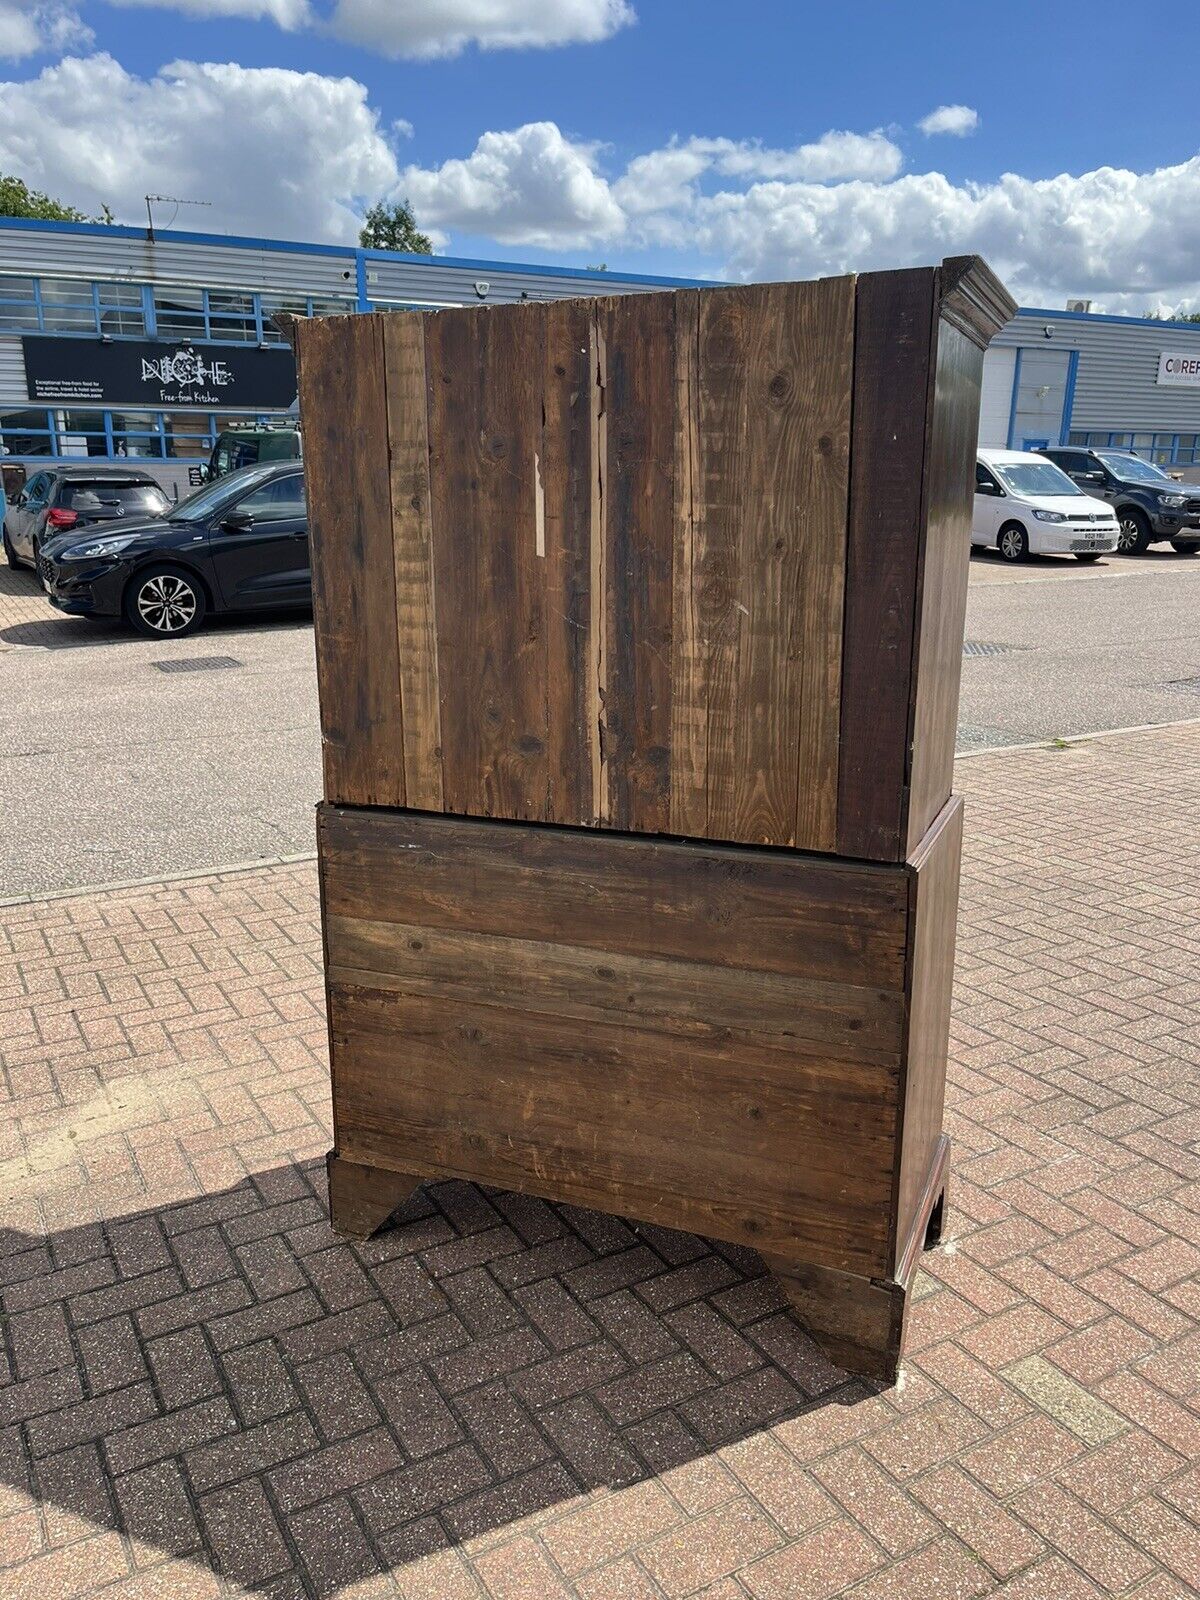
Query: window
120,310
136,433
140,499
983,479
179,313
295,305
1132,468
36,490
81,433
273,502
26,433
231,317
1028,478
18,304
331,308
188,435
68,305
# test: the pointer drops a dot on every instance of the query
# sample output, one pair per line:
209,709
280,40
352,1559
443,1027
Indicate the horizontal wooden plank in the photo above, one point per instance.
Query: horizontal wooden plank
741,1143
688,998
769,911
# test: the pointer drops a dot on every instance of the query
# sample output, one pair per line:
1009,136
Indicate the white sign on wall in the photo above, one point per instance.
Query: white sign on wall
1179,367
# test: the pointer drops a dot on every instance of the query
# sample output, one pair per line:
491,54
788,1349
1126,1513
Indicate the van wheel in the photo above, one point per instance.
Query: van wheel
1013,543
164,603
10,555
1133,535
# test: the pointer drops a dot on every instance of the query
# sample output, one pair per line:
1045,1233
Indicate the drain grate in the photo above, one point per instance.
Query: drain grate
987,647
196,664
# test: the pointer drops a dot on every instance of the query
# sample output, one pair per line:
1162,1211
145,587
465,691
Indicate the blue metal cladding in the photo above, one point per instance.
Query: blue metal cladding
1064,431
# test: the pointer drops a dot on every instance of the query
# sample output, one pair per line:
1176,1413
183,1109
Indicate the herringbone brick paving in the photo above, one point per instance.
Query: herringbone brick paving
203,1391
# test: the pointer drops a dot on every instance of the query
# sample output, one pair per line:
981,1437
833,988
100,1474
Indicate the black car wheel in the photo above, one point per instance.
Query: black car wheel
164,603
10,555
1184,547
1013,543
1133,535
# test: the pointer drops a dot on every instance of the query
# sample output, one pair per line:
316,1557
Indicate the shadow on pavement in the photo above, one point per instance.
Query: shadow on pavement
227,1380
58,632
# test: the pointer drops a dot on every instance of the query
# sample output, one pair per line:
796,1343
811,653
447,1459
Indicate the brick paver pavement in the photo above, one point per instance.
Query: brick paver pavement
203,1391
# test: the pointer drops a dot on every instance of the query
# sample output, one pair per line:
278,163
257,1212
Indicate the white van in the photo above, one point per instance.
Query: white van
1026,505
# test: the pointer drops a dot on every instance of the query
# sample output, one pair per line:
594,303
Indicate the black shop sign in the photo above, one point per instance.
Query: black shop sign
154,374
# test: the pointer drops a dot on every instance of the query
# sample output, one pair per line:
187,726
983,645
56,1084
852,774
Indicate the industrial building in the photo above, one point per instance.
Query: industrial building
1073,377
122,343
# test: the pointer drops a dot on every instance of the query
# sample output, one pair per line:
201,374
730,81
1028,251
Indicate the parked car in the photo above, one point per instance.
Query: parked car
63,498
240,544
1150,505
244,445
1025,506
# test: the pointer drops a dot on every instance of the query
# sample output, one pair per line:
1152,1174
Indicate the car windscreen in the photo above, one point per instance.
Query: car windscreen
1133,467
1033,477
200,506
132,499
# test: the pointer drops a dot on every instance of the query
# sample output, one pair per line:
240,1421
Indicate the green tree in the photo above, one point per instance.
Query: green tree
17,199
393,227
1174,316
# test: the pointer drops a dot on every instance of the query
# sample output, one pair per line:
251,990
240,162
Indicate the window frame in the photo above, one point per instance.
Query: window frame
289,516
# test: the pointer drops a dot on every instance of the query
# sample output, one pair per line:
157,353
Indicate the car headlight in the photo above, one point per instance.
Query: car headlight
98,547
1172,500
1050,516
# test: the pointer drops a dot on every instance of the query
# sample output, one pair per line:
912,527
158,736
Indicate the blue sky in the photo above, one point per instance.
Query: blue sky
650,134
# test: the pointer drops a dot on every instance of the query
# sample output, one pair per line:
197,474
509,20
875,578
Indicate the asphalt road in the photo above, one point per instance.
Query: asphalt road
1085,648
111,769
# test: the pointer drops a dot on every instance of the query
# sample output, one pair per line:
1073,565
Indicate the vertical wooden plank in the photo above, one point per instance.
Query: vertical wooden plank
942,581
638,550
689,795
769,550
483,370
823,485
892,347
597,691
412,535
933,874
565,464
343,403
717,575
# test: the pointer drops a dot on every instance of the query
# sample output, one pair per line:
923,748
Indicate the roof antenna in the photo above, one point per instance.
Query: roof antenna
170,200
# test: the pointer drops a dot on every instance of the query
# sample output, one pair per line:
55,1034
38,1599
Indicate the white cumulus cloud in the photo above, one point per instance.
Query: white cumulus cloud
838,204
427,29
528,186
287,14
430,28
291,154
301,155
958,120
667,179
30,27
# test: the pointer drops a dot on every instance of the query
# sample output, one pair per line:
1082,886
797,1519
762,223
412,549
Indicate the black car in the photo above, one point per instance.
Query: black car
1151,506
72,497
240,544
